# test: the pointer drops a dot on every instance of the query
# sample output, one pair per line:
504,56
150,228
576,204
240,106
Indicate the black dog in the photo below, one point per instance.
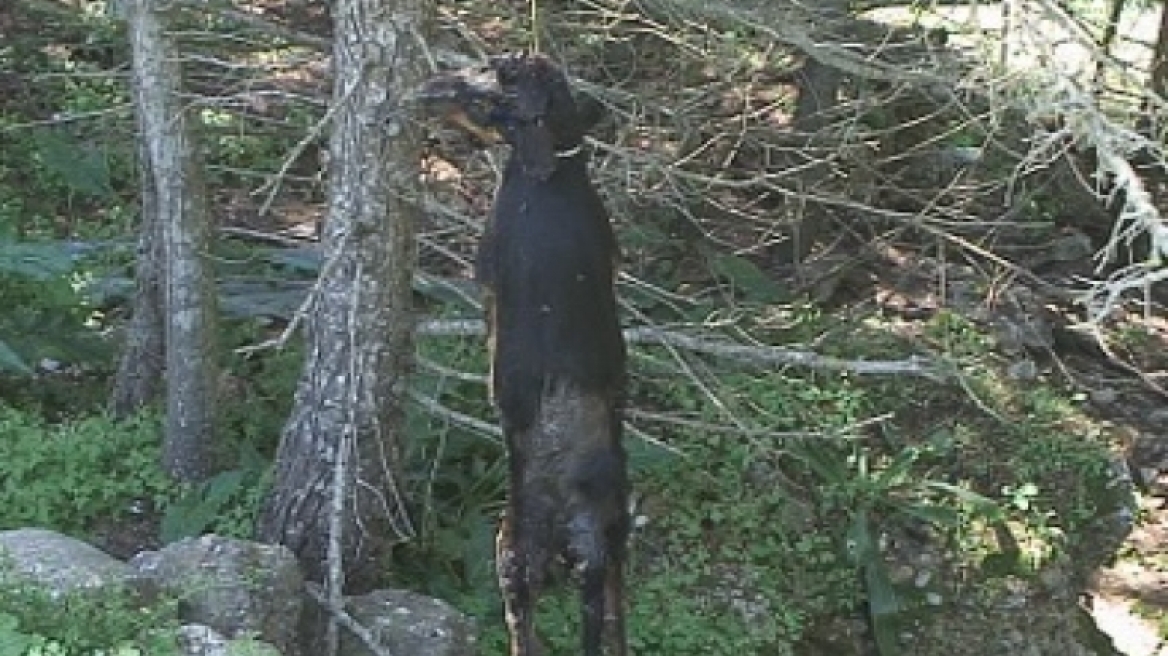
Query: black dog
547,262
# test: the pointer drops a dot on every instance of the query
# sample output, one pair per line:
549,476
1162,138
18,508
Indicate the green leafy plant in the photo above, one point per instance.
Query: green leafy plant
876,495
13,641
746,278
36,622
67,475
226,504
82,169
457,478
47,316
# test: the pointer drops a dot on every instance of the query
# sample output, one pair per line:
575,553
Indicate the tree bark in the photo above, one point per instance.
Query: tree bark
183,224
344,435
138,381
1158,80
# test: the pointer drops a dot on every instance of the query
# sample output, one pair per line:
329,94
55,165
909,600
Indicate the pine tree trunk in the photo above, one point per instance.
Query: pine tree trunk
1158,80
336,480
185,231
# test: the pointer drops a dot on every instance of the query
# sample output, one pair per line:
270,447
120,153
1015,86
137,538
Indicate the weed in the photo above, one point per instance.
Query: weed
35,622
66,476
226,504
956,335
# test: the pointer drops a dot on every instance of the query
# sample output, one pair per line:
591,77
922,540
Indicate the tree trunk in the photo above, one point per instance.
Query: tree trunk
1158,80
138,381
183,225
335,499
1110,30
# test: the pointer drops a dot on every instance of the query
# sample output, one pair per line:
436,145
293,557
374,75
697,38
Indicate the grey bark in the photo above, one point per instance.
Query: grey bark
348,411
1110,31
138,381
185,231
1158,79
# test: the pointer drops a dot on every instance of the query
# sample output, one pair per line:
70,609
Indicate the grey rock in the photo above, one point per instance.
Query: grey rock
199,640
59,563
405,622
1104,396
1023,331
238,588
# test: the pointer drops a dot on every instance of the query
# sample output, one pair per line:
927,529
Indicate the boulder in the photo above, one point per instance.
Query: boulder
199,640
59,563
237,588
405,622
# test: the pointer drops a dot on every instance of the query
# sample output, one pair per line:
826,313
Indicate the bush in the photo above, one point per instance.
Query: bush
34,622
64,476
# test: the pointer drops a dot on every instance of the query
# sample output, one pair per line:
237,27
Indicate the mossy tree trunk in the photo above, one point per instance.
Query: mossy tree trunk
176,217
336,501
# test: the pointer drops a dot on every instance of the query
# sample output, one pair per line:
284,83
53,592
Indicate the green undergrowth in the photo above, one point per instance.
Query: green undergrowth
766,497
34,622
78,475
64,476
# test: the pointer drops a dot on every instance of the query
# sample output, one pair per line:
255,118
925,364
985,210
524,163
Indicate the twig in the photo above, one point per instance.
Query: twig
273,183
433,406
263,236
260,25
346,620
705,426
1101,342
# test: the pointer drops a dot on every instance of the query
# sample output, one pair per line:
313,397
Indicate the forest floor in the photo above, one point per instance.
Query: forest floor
1129,599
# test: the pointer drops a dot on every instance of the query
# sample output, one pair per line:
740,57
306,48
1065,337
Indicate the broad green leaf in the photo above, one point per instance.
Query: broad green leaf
884,608
305,259
939,516
980,503
745,276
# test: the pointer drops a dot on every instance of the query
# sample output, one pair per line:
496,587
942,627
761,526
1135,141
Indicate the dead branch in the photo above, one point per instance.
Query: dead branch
433,406
346,620
758,356
260,25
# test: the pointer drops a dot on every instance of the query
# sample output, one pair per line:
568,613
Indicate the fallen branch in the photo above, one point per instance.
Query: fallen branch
433,406
771,356
346,620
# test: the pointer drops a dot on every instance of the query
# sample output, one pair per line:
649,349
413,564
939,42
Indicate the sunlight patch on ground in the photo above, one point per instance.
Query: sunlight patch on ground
978,27
1132,634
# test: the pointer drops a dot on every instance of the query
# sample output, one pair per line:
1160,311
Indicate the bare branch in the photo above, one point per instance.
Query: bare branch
341,616
765,356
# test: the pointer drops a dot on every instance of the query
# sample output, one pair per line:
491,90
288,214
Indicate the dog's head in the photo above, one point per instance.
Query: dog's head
521,99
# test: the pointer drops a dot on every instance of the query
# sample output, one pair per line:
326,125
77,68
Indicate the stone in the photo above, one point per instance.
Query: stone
57,562
405,622
236,587
1024,369
200,640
